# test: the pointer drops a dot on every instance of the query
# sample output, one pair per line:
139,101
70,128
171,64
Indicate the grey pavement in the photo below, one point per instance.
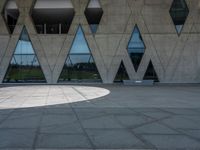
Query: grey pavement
49,117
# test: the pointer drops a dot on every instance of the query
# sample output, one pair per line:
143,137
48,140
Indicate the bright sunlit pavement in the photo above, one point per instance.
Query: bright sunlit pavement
37,96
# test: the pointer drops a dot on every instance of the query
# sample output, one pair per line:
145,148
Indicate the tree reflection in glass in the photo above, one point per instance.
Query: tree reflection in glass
24,65
80,65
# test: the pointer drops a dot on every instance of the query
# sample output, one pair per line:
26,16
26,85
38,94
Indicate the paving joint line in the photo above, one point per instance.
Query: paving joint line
85,133
37,133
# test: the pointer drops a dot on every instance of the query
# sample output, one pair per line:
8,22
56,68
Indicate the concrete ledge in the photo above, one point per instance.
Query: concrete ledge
138,82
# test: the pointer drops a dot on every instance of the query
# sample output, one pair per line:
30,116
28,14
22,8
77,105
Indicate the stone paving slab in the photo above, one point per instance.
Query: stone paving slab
108,117
62,141
154,128
17,138
172,141
114,138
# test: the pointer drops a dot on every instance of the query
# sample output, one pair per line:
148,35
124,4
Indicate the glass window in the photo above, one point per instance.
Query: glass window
11,14
80,65
136,47
179,12
121,74
24,65
80,44
94,13
150,73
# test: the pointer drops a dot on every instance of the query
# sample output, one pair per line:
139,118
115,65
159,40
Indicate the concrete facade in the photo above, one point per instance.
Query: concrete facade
176,59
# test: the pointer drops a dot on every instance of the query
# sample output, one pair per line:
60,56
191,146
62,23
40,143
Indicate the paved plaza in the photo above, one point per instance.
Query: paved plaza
45,117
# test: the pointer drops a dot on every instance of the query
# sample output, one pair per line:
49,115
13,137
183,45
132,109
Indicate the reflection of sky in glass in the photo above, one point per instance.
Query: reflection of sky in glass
80,52
79,44
25,60
179,28
24,53
136,44
24,47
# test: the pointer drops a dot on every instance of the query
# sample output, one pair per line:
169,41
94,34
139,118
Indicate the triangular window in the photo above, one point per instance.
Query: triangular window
80,65
150,73
121,74
24,65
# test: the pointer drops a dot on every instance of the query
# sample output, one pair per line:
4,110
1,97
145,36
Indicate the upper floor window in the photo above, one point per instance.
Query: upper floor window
53,16
179,12
11,14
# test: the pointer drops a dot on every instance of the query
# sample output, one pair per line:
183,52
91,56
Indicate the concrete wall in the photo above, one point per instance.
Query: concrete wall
176,59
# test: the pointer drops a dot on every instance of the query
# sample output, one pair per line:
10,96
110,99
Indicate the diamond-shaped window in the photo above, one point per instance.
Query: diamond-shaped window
11,14
53,17
179,12
136,47
94,13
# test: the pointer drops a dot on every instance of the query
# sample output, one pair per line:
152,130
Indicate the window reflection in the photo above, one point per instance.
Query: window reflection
24,65
151,73
11,14
136,47
121,74
179,12
80,65
94,13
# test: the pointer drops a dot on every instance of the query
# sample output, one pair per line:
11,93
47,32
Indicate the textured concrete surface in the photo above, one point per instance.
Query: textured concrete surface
104,117
176,59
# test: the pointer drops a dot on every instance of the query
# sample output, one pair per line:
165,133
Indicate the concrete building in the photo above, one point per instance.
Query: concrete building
136,39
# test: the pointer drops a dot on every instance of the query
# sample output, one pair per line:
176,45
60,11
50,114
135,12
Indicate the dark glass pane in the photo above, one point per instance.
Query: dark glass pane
136,48
121,74
80,65
11,14
52,28
136,59
94,13
151,73
24,65
179,12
